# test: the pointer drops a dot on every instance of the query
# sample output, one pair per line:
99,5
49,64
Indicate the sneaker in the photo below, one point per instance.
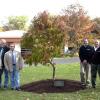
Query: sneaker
87,82
18,89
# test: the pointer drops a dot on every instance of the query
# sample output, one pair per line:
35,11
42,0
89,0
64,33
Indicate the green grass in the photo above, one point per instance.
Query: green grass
66,71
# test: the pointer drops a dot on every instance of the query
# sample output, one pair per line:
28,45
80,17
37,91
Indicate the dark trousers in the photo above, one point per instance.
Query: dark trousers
94,69
5,75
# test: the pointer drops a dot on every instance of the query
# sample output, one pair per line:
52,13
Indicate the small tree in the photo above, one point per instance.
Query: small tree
45,39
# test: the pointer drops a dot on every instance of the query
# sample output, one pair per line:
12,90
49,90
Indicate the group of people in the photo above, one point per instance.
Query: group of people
11,63
89,62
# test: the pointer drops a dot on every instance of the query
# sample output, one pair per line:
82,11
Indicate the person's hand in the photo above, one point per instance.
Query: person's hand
84,61
20,68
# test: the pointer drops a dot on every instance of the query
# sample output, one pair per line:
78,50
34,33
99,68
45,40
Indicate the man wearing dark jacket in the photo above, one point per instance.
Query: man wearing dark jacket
95,63
85,56
4,49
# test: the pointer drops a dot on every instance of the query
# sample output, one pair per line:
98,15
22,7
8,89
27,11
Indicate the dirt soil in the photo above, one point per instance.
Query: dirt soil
47,86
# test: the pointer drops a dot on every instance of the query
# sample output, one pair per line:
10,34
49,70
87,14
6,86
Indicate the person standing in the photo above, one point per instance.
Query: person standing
0,61
3,49
95,63
13,63
0,58
85,55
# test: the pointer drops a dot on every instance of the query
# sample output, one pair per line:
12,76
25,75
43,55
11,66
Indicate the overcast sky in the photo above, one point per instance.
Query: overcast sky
32,7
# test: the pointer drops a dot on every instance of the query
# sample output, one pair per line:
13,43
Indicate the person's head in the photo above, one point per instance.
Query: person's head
96,43
85,41
3,42
0,43
12,47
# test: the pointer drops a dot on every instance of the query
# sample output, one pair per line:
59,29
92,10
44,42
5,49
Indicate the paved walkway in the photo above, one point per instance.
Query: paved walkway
63,61
66,60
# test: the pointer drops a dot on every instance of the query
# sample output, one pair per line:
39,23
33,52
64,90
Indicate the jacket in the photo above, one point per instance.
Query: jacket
86,53
96,57
8,60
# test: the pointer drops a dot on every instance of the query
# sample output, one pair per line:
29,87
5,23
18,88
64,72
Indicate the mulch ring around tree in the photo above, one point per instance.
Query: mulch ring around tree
47,86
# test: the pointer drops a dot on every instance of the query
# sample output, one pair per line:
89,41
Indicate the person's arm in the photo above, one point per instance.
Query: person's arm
5,61
21,62
80,54
0,63
93,52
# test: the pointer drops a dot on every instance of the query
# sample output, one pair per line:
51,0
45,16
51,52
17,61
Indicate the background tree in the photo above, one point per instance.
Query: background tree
79,25
1,29
96,29
97,20
48,34
16,23
45,39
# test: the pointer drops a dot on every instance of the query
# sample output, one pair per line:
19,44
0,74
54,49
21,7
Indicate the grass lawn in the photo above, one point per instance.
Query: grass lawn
66,71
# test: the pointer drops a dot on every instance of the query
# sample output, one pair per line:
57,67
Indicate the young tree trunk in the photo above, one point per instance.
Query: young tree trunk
54,69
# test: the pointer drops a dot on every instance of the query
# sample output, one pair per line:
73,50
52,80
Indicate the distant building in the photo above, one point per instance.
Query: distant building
13,36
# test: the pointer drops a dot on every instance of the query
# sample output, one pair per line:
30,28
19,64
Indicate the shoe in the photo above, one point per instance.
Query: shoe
93,86
12,89
83,84
5,87
18,89
87,82
88,86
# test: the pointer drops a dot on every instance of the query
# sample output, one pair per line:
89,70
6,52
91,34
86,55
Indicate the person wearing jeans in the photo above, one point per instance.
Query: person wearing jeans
13,63
3,49
15,78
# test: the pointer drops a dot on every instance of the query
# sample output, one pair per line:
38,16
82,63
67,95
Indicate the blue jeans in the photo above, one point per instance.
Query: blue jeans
15,78
6,77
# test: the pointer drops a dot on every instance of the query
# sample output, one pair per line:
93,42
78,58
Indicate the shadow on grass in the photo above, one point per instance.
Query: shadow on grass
47,86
